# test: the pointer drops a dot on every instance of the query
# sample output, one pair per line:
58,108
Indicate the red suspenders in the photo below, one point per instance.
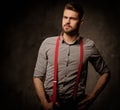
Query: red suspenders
55,70
53,98
79,68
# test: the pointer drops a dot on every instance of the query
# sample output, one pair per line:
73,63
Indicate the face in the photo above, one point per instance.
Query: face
70,22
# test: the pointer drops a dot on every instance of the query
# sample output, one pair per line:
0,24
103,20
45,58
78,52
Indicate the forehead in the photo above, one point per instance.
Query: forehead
70,13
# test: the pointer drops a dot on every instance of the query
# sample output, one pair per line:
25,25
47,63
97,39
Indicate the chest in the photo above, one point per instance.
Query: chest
68,54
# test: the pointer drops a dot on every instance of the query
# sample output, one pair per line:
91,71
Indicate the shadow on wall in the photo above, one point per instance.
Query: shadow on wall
27,24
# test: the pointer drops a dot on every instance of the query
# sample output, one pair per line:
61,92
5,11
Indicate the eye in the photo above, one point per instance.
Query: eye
65,17
73,18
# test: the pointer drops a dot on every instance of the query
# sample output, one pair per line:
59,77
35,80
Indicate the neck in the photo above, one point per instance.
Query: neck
68,38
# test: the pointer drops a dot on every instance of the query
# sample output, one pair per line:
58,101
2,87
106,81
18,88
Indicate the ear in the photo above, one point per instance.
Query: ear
81,21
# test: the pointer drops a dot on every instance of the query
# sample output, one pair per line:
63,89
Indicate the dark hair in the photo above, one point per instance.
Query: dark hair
75,6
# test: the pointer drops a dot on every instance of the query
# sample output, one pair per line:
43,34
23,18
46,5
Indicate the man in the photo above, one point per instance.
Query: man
61,68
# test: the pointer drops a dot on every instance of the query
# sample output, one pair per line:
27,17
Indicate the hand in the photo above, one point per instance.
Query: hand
48,106
56,106
86,102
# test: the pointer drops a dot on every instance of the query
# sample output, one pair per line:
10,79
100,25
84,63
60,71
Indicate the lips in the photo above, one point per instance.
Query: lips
67,26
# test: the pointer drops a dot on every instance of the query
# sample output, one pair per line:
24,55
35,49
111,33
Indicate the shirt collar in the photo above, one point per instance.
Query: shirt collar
77,41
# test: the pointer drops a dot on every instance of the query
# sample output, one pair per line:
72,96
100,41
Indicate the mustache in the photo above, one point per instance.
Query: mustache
67,25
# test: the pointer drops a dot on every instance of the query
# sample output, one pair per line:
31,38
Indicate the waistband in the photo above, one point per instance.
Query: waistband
64,99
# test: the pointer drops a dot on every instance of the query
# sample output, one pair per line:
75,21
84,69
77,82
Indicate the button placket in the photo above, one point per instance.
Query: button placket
66,71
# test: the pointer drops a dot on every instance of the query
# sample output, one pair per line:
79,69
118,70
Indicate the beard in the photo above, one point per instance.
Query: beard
69,30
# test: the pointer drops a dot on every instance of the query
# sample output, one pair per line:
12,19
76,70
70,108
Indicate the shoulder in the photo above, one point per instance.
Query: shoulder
88,42
47,43
50,40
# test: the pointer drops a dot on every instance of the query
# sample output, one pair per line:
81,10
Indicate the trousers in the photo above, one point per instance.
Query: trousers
68,104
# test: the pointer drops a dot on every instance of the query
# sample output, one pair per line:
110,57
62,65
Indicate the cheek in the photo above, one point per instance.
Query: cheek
75,25
63,22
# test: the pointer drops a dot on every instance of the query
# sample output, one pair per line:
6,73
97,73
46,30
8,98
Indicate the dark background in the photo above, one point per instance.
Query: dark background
25,24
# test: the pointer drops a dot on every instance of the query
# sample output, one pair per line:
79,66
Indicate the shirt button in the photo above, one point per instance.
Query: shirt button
64,84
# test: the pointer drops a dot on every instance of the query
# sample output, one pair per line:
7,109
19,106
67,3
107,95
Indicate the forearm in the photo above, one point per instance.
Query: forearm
40,90
100,84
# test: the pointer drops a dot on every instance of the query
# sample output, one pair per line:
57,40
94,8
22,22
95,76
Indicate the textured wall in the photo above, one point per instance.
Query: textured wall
26,24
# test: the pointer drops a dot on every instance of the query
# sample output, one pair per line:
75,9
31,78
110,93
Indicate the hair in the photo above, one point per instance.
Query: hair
75,6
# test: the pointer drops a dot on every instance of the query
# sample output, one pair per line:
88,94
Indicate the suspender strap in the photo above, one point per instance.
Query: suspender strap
79,69
53,98
55,70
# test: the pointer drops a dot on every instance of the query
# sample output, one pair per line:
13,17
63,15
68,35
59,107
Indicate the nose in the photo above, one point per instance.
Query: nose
68,20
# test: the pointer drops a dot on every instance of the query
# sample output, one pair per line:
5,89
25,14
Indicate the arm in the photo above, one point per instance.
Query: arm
102,81
39,74
101,67
41,94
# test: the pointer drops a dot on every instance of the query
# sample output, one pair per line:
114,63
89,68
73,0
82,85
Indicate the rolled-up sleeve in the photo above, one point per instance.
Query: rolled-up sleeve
97,61
41,63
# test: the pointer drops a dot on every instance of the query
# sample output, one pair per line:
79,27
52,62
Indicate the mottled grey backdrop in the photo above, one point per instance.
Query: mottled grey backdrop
25,24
